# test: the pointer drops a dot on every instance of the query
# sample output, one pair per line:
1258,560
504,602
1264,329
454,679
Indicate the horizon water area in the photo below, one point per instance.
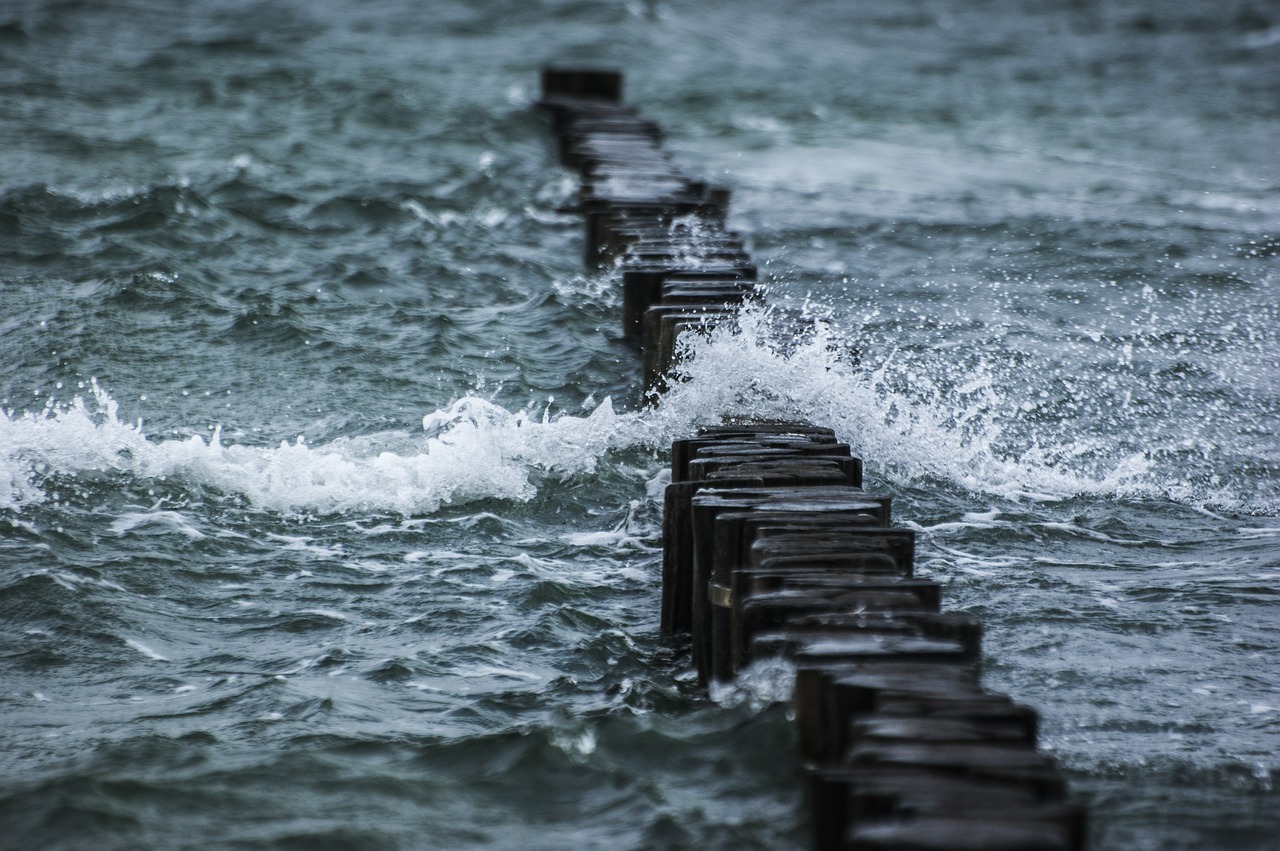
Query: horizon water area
330,501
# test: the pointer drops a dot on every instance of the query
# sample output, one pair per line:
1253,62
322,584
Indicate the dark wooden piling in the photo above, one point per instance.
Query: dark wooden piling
603,84
771,548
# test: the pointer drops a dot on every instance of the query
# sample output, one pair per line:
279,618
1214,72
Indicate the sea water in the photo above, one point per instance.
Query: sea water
330,503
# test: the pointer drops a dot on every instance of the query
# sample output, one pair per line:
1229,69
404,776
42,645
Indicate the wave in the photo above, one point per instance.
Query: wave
909,431
906,431
470,451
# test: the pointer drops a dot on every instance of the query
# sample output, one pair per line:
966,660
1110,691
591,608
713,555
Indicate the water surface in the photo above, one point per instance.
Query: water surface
328,508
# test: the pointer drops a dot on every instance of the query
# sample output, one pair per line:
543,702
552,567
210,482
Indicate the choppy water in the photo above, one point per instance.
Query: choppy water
327,507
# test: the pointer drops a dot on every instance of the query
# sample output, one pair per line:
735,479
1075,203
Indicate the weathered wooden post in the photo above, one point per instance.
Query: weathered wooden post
771,547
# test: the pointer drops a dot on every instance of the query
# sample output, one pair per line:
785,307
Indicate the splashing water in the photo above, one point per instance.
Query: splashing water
913,430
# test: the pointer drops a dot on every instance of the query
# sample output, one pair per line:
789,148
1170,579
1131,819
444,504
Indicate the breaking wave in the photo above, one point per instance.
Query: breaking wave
971,434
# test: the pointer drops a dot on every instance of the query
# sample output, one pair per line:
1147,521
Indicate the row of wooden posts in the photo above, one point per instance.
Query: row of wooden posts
771,547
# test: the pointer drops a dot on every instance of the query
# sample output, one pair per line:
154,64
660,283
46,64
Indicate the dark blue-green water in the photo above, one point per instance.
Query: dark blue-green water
327,503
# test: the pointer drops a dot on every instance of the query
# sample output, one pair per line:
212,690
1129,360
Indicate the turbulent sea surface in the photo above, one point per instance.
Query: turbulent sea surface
328,504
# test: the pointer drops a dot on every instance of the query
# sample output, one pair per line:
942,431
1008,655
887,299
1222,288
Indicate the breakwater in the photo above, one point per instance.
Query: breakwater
772,548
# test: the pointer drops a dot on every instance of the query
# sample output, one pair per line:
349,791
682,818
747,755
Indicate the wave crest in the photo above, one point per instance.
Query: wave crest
970,433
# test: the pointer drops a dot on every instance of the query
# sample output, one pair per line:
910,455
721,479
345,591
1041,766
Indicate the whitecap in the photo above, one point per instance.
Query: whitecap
474,449
161,521
146,651
764,682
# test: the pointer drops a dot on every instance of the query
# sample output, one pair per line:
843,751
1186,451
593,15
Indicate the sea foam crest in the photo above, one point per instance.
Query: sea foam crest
476,449
908,427
902,434
473,450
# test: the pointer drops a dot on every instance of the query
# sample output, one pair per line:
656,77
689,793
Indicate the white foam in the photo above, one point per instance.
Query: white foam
908,427
145,650
472,450
764,682
905,435
904,426
161,521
